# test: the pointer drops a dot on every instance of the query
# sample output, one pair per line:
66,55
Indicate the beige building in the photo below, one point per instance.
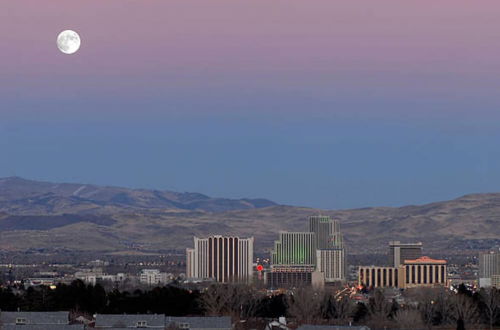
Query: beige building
423,271
222,258
378,277
331,262
419,272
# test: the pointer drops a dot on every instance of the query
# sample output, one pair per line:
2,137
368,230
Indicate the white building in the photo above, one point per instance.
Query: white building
331,262
153,277
222,258
489,266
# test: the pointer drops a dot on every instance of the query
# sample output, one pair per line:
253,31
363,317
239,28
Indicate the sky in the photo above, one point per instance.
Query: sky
322,103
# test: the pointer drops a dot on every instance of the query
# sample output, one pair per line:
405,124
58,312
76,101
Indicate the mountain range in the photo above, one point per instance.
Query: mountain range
79,217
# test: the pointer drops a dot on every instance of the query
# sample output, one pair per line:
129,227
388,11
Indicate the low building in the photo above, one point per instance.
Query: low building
332,327
198,323
419,272
282,277
34,318
422,271
43,327
153,277
119,321
378,277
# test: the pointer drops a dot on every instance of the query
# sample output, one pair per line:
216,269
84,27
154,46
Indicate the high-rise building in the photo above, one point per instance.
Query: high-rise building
294,249
399,252
330,254
321,249
222,258
327,232
489,266
331,262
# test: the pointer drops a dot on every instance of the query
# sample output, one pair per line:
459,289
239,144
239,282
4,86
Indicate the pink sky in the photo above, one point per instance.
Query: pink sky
416,49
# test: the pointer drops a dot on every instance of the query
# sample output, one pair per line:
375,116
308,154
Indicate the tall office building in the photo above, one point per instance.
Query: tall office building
294,249
326,231
489,266
399,252
222,258
330,254
331,262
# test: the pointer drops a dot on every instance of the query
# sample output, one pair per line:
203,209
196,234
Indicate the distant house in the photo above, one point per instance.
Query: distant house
199,323
332,327
120,321
33,318
43,327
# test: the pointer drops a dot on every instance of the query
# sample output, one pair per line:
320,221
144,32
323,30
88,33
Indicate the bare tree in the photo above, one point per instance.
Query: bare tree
490,299
235,300
339,307
305,305
409,319
379,308
443,307
465,309
243,301
215,299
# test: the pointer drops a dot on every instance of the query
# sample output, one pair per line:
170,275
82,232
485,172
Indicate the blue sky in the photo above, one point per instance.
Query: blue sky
331,104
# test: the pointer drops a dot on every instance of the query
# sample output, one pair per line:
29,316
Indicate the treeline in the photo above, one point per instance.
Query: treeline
89,299
416,308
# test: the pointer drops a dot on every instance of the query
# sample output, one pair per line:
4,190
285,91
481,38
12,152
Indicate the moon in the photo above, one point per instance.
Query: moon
68,42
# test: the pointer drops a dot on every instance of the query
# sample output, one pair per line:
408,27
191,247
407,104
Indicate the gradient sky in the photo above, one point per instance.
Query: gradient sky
323,103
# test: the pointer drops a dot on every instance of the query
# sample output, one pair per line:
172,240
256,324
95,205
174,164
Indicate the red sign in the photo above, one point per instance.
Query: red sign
260,268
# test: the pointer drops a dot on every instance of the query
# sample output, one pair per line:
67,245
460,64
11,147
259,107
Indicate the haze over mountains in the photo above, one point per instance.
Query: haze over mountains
47,216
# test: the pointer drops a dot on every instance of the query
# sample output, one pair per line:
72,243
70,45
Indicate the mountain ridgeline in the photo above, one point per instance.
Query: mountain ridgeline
90,218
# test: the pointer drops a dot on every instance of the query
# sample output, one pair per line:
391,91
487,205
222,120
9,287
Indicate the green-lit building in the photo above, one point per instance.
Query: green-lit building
294,249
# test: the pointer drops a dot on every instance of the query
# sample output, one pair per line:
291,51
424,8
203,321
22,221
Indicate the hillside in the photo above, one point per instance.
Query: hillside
68,217
20,196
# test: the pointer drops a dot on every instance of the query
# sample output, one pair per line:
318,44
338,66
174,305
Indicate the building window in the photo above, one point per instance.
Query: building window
141,324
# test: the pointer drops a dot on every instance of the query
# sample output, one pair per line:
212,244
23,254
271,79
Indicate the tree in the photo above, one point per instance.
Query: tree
379,308
215,300
408,319
465,309
490,302
305,305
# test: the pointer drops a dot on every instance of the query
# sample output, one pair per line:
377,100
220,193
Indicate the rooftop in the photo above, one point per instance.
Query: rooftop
425,260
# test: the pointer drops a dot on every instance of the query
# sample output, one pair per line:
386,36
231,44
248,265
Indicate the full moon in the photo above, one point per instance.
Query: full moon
68,42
